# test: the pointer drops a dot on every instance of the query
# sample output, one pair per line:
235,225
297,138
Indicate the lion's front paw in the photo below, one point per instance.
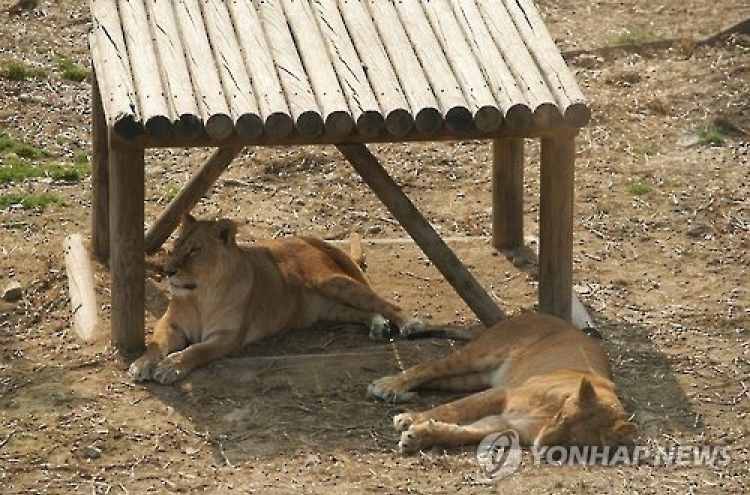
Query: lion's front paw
142,369
412,439
412,327
403,421
380,329
389,389
170,370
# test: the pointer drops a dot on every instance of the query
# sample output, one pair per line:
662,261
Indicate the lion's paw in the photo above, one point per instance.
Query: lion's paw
169,370
380,329
411,440
403,421
412,327
142,369
388,389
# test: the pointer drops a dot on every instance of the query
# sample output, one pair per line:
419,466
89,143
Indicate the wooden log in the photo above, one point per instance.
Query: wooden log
81,288
377,68
428,118
145,69
295,138
579,315
453,104
516,54
204,74
559,78
505,88
452,39
319,67
110,60
260,66
99,176
297,89
391,195
189,196
359,95
507,193
178,89
556,225
126,259
234,77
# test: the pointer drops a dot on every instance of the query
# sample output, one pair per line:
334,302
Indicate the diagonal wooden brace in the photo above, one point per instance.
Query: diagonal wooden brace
189,196
417,226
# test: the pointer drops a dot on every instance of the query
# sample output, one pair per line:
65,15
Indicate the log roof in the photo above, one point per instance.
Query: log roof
276,71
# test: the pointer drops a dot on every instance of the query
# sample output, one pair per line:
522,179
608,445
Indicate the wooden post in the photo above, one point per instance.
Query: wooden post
391,195
507,193
127,260
99,177
189,196
81,288
556,225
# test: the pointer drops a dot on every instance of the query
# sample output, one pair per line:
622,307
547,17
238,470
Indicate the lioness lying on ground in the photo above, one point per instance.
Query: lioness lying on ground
543,377
225,296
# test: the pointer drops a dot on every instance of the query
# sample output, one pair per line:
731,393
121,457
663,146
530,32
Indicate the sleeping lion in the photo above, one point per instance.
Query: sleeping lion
225,296
535,374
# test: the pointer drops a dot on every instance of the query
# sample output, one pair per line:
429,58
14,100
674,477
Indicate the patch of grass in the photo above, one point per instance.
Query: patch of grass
70,70
634,36
81,158
29,201
14,169
171,193
19,71
639,189
21,149
648,150
711,136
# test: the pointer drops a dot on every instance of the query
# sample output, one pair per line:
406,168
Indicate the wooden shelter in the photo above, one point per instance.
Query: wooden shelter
235,73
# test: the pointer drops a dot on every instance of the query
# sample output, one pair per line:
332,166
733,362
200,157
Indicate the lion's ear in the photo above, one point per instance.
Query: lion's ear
186,222
586,392
227,230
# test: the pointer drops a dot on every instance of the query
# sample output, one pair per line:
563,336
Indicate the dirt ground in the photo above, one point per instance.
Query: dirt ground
661,261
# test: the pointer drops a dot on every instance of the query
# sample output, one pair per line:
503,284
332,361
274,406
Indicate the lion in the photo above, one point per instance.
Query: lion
535,374
225,296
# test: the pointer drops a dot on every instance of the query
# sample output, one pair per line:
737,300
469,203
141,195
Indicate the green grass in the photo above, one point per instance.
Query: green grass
634,36
15,169
639,189
29,201
171,193
70,70
21,149
647,150
711,136
19,71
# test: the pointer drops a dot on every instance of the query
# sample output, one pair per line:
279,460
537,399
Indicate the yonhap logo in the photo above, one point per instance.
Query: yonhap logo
499,455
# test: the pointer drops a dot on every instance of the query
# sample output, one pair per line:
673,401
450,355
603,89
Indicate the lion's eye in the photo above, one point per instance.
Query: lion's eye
193,251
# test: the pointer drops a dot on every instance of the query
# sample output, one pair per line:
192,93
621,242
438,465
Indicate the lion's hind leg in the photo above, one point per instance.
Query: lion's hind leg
349,292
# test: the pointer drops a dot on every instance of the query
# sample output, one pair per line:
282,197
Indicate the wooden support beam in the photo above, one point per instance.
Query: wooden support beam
507,193
391,195
99,177
189,196
126,259
556,225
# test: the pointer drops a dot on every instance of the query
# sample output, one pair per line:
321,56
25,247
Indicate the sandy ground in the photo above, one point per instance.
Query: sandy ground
661,261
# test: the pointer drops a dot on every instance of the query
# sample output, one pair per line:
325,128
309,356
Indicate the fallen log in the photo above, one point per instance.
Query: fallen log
81,288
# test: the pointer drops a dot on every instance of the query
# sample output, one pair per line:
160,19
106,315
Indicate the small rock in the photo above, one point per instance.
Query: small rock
13,292
92,452
312,460
688,141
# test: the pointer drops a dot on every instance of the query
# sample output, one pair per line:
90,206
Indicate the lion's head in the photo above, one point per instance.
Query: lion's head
199,256
585,419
